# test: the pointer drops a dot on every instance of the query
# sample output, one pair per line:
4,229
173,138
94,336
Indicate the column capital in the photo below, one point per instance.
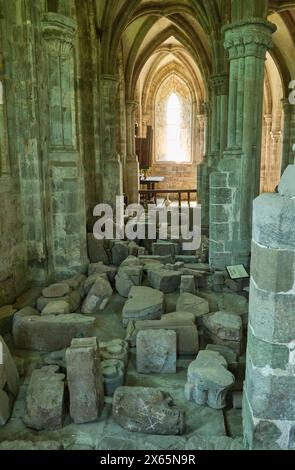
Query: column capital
248,38
59,33
220,83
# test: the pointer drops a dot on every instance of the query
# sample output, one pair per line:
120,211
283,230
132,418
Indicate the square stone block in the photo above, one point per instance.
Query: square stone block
156,351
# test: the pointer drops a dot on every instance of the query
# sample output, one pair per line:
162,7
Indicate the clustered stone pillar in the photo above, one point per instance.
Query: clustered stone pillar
269,394
235,183
289,133
65,172
132,165
112,174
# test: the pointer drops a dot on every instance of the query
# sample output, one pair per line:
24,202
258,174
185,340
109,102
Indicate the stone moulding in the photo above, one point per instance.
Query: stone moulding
59,32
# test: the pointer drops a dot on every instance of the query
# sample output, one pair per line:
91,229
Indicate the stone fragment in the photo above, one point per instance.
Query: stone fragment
59,307
182,323
208,380
57,358
96,250
114,349
56,290
120,252
225,329
85,382
150,259
29,445
45,399
5,408
193,304
143,303
198,442
9,377
90,281
127,277
113,371
100,268
187,285
164,249
133,249
156,352
229,355
164,280
6,317
76,282
49,333
147,410
28,298
98,297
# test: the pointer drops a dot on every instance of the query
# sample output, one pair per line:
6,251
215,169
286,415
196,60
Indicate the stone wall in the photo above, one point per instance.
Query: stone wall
177,176
269,395
42,204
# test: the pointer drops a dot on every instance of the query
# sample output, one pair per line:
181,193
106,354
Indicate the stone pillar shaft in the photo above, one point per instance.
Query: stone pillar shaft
111,162
269,394
236,181
132,165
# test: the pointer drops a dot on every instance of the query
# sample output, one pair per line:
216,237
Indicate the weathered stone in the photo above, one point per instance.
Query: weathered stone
164,280
29,445
28,298
57,358
91,280
156,351
127,277
113,371
120,252
56,290
225,329
98,297
164,249
133,249
5,408
286,186
143,303
6,317
147,410
208,380
50,333
114,349
73,299
150,259
180,322
198,442
56,308
229,355
76,282
193,304
187,285
85,383
96,250
9,377
100,268
45,399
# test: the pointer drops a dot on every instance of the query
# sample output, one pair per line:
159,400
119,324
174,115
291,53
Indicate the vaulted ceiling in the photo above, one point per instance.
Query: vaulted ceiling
152,34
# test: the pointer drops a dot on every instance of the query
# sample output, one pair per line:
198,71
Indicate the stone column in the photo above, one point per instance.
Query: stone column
269,392
265,152
289,133
132,165
237,179
203,171
112,178
64,175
